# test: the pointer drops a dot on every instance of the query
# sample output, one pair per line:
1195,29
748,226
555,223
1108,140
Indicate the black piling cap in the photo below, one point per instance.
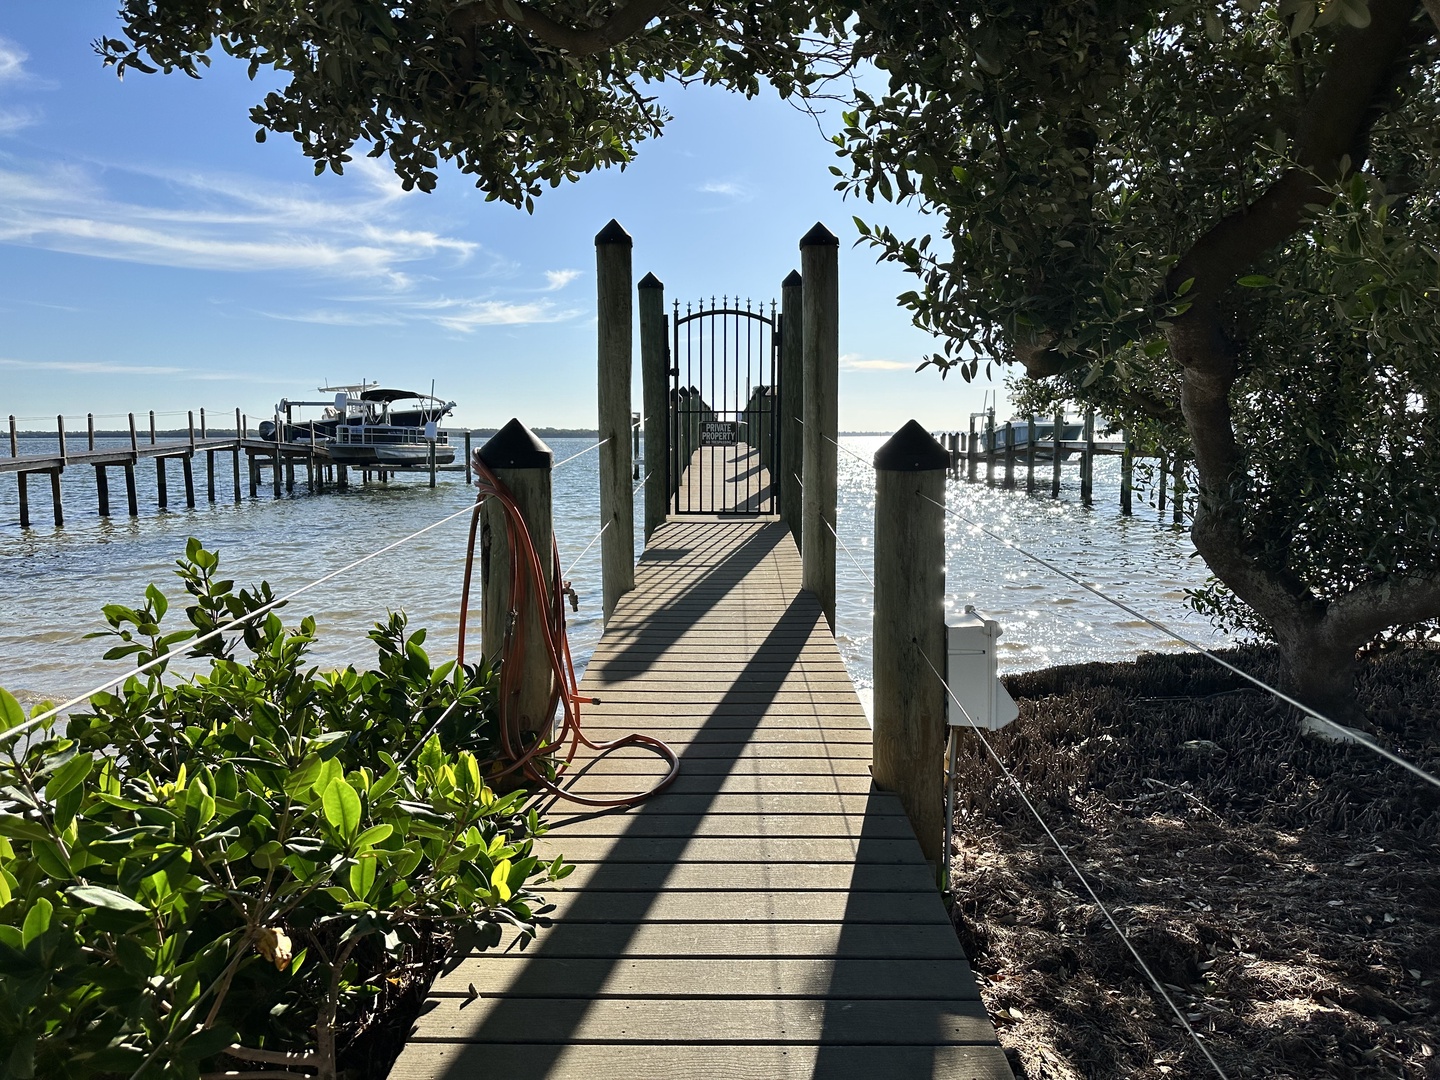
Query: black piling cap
792,280
650,281
613,234
515,446
819,236
911,449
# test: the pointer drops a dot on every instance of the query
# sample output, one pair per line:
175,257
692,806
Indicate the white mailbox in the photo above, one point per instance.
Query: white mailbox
971,671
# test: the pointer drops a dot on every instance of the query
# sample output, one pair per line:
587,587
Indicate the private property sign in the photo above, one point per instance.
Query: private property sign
719,433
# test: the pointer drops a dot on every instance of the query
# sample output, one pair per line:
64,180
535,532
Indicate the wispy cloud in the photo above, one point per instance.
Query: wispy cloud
558,279
115,367
461,315
13,119
217,222
12,60
730,189
855,362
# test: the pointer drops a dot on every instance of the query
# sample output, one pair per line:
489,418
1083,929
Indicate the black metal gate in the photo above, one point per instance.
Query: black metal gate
724,432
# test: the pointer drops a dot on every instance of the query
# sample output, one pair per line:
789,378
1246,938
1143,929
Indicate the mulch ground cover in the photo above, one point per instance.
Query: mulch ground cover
1285,889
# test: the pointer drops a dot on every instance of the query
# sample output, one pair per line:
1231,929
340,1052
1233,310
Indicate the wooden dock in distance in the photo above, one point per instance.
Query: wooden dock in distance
770,916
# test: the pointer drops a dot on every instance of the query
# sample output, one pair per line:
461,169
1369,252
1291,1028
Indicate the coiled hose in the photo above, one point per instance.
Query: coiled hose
528,753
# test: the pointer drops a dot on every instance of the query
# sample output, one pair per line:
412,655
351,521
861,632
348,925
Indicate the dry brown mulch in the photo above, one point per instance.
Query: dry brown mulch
1286,890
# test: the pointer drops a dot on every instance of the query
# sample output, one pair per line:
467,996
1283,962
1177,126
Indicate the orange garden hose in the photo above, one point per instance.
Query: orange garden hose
525,752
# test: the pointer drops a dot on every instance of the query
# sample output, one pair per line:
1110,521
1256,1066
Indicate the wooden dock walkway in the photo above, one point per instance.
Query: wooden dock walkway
770,916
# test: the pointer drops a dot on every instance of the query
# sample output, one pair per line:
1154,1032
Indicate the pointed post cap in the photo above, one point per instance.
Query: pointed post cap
911,449
819,236
650,281
613,234
792,280
515,446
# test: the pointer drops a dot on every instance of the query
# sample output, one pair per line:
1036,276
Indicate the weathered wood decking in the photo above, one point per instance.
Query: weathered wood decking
770,916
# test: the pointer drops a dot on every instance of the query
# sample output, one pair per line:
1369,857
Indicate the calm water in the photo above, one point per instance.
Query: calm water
53,581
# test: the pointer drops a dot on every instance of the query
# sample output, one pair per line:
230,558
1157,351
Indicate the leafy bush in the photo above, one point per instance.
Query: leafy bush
237,862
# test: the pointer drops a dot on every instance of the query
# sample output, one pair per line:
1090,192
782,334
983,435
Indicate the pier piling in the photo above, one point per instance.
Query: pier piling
820,343
24,491
132,502
522,463
102,490
162,495
187,469
654,392
55,498
909,627
792,403
613,249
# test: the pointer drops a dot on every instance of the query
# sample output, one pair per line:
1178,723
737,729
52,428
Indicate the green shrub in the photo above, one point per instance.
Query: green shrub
236,862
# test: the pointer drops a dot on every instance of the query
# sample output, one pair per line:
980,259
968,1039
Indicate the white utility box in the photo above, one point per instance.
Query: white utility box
971,670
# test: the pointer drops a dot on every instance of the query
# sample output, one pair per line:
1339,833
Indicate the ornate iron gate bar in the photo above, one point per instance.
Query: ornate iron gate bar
723,435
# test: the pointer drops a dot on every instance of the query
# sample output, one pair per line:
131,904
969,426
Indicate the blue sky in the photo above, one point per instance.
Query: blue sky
154,256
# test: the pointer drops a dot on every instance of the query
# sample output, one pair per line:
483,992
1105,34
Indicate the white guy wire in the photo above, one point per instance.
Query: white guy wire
581,454
643,481
1344,732
593,540
190,644
1114,925
846,546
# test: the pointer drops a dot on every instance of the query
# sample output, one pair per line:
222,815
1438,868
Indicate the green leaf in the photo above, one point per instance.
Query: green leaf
362,877
10,712
372,836
37,920
342,808
95,896
1255,281
70,775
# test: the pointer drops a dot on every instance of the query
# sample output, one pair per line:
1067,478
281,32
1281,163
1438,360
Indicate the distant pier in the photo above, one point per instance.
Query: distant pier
271,464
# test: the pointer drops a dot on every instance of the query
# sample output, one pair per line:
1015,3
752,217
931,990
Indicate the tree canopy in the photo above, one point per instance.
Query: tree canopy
517,95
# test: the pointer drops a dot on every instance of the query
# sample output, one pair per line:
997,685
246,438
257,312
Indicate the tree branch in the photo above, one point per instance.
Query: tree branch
626,21
1392,600
1334,124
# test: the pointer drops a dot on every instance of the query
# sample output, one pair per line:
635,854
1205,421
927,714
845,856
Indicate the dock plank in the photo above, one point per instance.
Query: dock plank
770,915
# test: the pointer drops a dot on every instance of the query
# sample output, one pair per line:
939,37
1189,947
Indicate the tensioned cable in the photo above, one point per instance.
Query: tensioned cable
593,541
643,481
846,546
56,710
1114,925
1344,732
581,454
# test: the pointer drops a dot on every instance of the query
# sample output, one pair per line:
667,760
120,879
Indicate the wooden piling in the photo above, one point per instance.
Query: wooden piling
132,501
431,455
275,460
152,427
343,479
290,473
1127,475
1179,505
974,453
190,428
55,498
1057,454
615,345
523,464
1163,470
820,344
792,403
90,431
102,490
1030,431
162,495
210,475
187,469
254,467
990,448
14,438
22,479
468,479
654,392
909,627
1009,454
60,435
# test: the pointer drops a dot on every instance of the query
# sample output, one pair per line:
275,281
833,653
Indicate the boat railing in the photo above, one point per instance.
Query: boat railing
385,435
